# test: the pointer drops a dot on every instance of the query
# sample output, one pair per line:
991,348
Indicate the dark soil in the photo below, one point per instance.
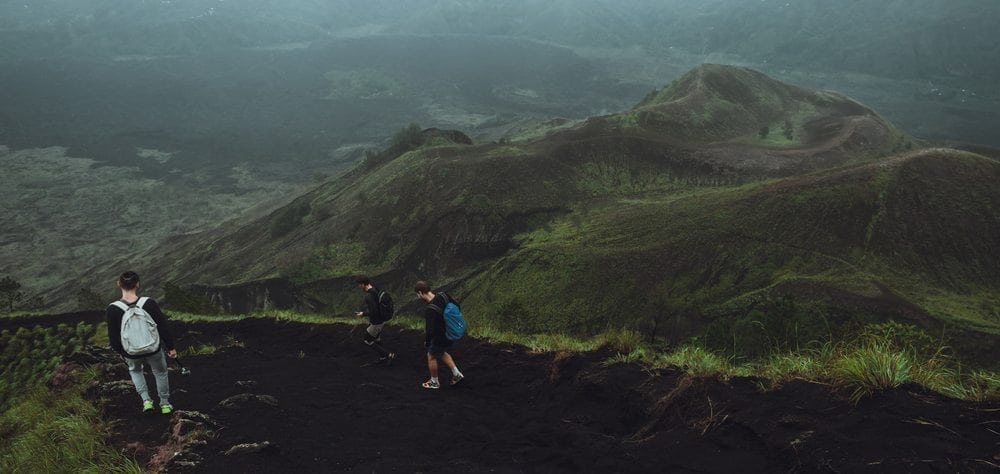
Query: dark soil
518,411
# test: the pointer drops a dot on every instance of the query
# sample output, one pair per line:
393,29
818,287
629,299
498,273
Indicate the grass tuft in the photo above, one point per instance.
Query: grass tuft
874,367
696,361
58,432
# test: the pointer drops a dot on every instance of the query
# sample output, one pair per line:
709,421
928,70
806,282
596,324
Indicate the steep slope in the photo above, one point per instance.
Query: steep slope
910,238
442,208
665,214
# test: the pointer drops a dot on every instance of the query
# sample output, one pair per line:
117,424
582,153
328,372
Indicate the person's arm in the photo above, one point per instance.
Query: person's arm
160,319
114,316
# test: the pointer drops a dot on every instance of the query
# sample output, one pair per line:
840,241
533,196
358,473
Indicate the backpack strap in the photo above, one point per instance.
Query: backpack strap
125,306
440,309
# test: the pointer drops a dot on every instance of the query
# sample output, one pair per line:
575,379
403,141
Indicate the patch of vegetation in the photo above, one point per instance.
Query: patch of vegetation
47,431
27,354
206,349
336,259
10,294
179,299
289,218
88,299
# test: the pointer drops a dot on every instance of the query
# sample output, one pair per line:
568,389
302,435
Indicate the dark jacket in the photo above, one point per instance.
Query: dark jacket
434,328
373,310
115,314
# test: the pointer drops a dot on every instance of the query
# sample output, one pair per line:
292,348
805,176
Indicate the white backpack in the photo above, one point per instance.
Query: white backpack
139,334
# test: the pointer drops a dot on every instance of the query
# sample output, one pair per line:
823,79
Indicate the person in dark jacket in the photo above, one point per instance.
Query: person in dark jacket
128,282
376,320
435,341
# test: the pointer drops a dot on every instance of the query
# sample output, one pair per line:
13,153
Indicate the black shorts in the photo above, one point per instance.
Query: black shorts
439,347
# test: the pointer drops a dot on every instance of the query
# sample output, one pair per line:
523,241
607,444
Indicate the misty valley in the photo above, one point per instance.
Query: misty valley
708,237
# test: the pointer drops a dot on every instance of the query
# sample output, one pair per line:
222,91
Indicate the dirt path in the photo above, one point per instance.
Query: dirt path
305,390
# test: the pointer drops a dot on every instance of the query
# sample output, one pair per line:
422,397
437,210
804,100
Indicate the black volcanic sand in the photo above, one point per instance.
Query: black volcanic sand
519,411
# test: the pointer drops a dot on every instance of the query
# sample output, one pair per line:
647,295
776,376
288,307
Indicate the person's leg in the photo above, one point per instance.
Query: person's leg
456,375
432,366
158,363
373,336
138,378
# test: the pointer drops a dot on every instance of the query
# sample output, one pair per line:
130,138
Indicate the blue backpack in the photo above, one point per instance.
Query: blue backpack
454,322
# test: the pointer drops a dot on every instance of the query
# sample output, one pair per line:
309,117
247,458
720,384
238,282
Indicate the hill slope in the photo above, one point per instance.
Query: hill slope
295,397
671,207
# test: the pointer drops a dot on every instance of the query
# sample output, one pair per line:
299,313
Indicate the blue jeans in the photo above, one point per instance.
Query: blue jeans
157,362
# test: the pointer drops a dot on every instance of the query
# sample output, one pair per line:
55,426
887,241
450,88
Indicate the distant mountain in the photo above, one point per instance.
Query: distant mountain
680,212
917,38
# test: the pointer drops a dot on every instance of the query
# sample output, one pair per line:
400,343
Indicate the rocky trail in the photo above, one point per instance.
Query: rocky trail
292,397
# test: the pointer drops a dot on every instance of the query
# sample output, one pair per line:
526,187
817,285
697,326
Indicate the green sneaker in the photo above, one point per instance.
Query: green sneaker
147,405
166,409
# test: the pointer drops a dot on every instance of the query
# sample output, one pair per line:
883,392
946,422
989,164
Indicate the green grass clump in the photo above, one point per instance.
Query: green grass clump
982,385
696,361
873,368
58,432
784,367
634,357
622,340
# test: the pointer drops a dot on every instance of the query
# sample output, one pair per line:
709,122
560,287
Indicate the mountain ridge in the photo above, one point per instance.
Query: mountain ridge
705,228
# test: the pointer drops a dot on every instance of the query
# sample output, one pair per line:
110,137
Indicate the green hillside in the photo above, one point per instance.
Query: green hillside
910,238
674,218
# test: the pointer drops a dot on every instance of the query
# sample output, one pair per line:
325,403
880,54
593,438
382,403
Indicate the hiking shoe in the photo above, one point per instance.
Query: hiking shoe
166,409
387,359
456,379
431,385
147,406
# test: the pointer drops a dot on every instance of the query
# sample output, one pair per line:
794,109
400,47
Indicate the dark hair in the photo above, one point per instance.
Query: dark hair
128,280
362,280
422,287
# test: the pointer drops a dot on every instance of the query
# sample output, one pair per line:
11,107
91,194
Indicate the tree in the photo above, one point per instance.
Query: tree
10,293
87,298
788,130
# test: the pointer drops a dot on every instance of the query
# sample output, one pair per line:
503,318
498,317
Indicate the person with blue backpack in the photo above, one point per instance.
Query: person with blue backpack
379,309
443,325
137,330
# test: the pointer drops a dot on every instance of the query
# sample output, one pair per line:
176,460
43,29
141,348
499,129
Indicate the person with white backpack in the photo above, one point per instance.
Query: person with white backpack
138,332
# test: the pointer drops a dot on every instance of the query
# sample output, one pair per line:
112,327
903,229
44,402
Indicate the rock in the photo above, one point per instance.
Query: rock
242,399
117,387
64,376
249,448
186,424
94,355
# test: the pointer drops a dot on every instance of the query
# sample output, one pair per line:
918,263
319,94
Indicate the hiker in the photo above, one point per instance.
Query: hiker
141,337
435,338
378,308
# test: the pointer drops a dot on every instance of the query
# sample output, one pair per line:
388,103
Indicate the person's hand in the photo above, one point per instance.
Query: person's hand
172,353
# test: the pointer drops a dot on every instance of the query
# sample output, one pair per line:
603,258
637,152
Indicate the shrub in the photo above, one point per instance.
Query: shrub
874,367
50,432
696,361
289,218
622,340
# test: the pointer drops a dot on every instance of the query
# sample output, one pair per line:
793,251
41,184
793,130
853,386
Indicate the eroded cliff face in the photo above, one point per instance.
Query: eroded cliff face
259,295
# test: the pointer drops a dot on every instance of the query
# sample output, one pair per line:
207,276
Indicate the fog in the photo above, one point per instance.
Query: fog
236,105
